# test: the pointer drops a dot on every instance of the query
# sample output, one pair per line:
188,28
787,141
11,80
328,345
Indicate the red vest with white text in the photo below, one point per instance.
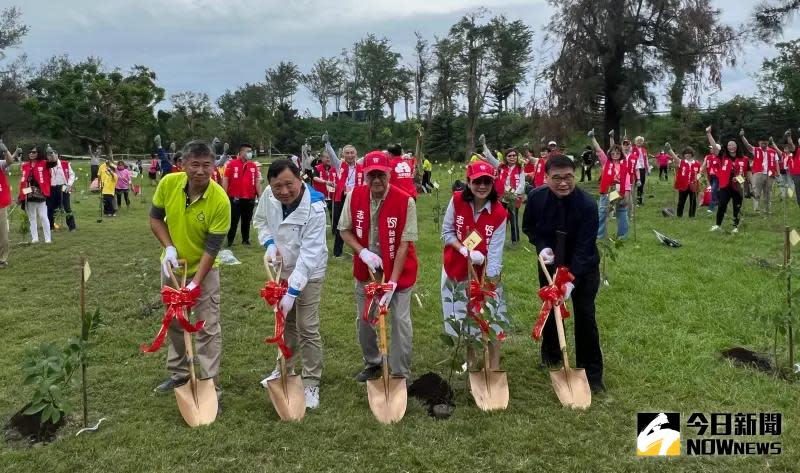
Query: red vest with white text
391,223
686,174
758,161
503,173
402,175
40,173
455,264
341,183
611,176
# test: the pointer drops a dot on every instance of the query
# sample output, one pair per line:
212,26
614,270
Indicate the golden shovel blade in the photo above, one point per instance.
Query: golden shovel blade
198,406
387,397
489,389
289,403
572,387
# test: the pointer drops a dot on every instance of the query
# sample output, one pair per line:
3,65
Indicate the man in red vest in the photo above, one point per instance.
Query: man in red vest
5,201
242,182
379,222
349,174
402,173
764,170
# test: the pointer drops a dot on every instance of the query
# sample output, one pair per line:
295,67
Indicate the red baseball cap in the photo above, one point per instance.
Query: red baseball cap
376,160
479,169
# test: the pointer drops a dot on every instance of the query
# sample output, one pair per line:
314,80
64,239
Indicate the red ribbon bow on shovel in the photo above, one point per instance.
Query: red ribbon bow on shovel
478,292
374,290
176,300
272,293
552,296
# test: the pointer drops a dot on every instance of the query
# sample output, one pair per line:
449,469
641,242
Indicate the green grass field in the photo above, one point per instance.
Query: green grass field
663,321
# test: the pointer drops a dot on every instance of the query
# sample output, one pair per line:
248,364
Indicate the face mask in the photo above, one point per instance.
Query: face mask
249,155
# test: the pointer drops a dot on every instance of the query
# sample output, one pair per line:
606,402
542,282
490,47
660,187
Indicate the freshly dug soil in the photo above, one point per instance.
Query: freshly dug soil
749,358
23,427
435,393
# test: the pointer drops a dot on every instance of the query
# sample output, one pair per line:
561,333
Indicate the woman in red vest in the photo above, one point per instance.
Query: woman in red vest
475,209
324,178
379,222
6,160
614,178
510,184
731,175
34,189
793,164
687,178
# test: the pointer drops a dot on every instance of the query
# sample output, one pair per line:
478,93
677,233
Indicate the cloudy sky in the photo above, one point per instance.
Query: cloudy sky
214,45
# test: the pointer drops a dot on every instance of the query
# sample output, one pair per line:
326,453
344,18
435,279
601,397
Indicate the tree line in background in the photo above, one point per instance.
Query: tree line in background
606,62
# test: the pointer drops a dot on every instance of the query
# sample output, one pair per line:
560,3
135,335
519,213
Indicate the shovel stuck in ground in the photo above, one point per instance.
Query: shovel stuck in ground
197,399
489,386
388,394
285,392
570,384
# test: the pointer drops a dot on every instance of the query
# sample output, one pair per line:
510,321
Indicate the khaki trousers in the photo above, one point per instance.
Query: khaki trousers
400,336
5,242
207,341
302,333
762,188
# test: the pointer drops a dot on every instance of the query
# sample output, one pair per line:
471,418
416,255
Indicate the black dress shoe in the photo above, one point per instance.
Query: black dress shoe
369,372
169,384
246,243
597,387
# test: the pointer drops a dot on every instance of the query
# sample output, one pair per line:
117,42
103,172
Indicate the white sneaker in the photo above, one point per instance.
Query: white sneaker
715,228
276,374
312,397
735,230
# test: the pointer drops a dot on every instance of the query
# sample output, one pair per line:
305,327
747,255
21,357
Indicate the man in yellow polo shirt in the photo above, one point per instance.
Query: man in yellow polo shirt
190,217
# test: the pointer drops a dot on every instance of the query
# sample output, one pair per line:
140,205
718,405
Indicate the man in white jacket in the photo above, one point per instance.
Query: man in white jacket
290,219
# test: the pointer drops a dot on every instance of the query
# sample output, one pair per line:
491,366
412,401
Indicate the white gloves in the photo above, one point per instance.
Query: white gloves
325,137
370,259
476,257
591,133
272,251
547,256
286,303
387,296
191,285
568,292
170,260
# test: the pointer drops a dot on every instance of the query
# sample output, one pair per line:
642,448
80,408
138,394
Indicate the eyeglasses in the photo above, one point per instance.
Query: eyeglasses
559,179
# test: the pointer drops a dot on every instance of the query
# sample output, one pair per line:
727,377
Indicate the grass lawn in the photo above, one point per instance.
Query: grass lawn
663,321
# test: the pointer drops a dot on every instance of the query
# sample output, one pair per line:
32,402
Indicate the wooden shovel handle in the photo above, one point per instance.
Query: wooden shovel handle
181,262
562,340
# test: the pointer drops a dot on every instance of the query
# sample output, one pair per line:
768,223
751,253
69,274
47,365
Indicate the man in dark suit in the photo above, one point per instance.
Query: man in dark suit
561,221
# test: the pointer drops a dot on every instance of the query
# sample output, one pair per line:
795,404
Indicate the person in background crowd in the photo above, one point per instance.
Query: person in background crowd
242,182
709,167
123,184
587,162
793,164
687,178
731,175
476,208
379,222
62,178
94,162
324,178
640,157
108,187
290,219
510,184
178,166
403,169
349,175
5,201
764,169
614,178
663,160
166,164
152,171
34,189
427,171
561,221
